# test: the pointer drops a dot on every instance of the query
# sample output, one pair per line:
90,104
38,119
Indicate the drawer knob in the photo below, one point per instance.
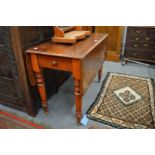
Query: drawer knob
145,45
54,63
138,31
134,54
135,45
147,38
1,45
137,39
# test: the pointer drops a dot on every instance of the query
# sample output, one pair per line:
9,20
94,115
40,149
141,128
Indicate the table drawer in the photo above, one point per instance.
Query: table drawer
64,64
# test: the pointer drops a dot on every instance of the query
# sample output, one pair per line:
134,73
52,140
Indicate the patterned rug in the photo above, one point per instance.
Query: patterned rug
10,121
125,101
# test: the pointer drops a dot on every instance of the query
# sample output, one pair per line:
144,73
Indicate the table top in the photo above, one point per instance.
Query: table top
78,50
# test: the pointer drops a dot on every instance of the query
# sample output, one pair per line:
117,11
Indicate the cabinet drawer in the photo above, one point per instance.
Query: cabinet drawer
141,46
64,64
147,56
140,38
137,31
151,31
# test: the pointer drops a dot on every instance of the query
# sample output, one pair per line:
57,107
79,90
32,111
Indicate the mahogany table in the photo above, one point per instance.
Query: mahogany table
83,59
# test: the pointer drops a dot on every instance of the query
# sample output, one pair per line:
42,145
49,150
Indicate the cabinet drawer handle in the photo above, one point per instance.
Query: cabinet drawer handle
138,31
134,54
1,45
145,45
137,39
147,38
135,45
54,63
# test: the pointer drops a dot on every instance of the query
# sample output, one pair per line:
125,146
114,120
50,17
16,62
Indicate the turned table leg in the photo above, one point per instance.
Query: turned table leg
77,75
42,91
100,73
78,100
40,82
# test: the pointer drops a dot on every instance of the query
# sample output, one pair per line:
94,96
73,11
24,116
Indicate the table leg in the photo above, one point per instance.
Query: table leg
100,73
40,81
42,91
78,100
77,75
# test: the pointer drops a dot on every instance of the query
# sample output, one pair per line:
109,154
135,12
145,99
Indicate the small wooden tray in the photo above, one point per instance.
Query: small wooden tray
69,34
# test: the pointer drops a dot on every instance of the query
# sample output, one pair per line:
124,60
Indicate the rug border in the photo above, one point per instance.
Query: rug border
101,90
29,123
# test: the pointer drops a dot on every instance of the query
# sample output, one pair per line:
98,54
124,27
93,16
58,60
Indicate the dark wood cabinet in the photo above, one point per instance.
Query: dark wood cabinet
16,89
140,44
10,87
